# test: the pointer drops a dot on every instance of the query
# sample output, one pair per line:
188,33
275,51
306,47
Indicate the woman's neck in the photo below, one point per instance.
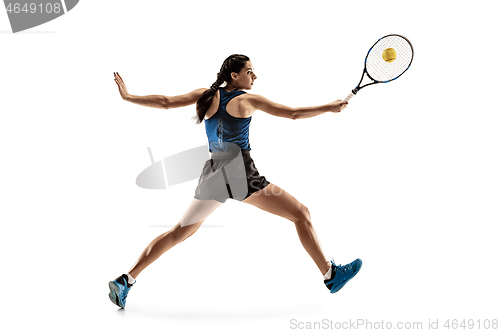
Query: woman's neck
229,87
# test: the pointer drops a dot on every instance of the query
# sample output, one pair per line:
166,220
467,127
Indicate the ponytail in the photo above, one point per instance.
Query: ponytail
233,63
206,98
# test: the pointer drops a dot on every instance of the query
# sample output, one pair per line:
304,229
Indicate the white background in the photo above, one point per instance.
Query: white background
406,178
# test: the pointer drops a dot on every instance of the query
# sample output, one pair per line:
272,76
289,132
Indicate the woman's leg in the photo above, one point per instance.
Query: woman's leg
194,216
275,200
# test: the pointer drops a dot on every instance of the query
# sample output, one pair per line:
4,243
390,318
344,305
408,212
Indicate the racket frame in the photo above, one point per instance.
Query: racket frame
358,87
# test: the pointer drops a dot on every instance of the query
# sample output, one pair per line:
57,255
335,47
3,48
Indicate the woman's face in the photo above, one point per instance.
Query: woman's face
245,78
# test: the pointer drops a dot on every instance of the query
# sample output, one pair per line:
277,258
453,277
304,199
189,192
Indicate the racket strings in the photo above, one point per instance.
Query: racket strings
380,70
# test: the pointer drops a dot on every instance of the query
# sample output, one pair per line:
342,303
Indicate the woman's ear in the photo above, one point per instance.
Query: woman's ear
234,75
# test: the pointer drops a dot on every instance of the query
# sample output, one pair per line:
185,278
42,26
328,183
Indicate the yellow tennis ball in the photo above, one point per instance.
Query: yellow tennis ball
389,54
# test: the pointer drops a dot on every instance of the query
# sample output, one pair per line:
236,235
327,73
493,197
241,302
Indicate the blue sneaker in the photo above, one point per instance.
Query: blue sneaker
342,274
119,289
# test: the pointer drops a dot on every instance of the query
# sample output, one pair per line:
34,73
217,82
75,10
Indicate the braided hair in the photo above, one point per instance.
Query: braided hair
233,63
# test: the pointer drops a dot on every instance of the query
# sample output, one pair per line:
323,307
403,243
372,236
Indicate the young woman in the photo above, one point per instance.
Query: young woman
227,112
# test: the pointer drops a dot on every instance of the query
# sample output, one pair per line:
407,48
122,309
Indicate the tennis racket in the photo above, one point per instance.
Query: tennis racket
379,70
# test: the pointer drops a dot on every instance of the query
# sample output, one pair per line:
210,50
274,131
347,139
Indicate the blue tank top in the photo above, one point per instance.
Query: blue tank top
222,127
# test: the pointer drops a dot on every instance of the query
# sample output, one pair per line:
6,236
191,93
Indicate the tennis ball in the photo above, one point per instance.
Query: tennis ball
389,54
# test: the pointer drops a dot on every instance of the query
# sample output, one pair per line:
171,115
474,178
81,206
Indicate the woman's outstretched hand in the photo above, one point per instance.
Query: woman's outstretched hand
338,106
121,86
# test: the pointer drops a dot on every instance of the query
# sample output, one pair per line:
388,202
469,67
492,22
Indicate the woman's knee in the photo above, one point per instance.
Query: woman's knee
181,233
302,215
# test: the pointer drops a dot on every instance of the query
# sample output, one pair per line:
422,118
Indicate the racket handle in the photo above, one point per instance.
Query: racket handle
348,97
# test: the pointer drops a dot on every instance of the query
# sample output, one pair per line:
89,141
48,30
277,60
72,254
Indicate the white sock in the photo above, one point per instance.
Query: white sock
131,280
328,274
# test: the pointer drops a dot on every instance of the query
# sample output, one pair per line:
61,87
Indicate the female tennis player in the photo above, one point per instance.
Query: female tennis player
231,172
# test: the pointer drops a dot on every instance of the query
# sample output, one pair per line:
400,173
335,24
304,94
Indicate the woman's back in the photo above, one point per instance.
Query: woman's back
222,127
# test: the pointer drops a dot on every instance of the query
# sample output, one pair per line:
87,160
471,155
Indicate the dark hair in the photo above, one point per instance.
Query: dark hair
234,63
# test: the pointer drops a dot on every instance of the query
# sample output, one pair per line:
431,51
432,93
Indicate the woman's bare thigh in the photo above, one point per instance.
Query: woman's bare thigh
198,211
275,200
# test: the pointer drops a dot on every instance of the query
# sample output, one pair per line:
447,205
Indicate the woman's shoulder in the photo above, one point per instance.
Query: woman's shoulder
244,97
247,104
252,98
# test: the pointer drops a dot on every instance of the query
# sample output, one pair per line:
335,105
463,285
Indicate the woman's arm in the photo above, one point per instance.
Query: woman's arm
166,102
158,101
279,110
